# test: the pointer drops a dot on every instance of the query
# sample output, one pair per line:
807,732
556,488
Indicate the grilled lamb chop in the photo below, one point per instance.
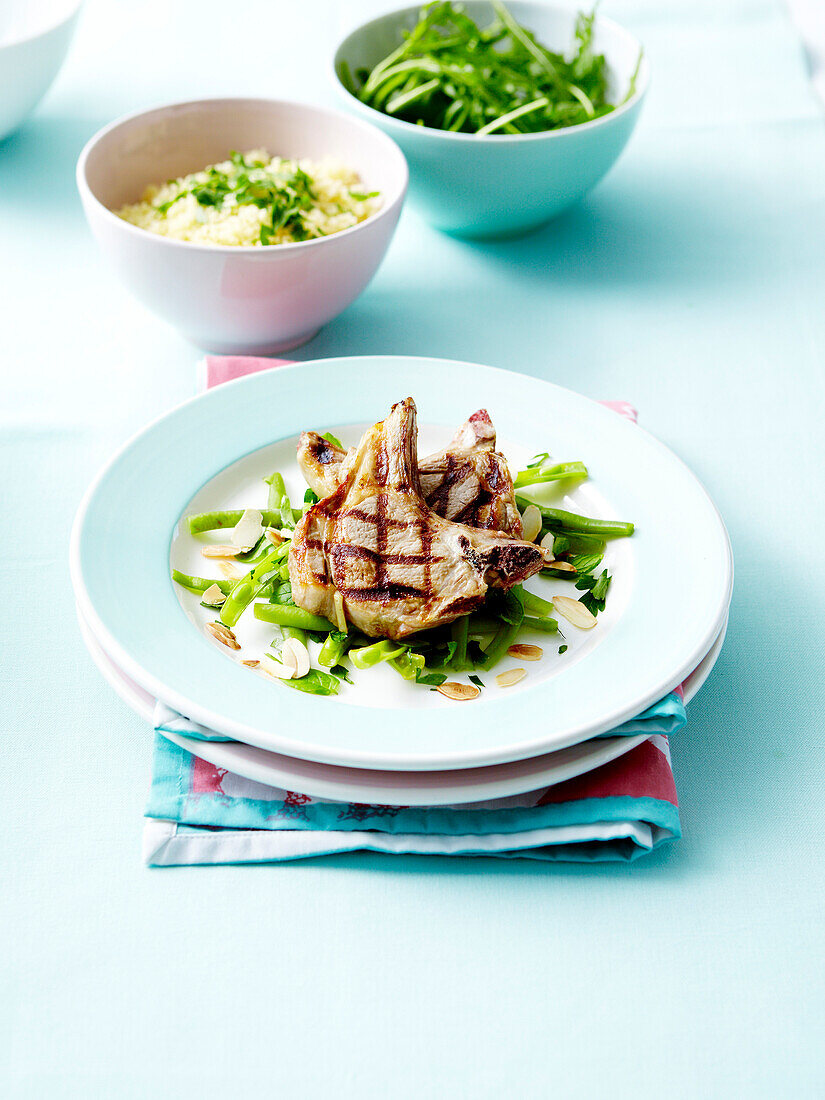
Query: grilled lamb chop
399,566
468,482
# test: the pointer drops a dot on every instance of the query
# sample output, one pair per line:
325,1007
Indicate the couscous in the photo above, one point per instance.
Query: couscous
255,199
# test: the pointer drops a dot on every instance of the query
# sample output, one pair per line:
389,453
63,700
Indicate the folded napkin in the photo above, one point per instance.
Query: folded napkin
199,813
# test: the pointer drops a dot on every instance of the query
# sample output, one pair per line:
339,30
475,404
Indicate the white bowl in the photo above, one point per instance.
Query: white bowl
244,300
34,39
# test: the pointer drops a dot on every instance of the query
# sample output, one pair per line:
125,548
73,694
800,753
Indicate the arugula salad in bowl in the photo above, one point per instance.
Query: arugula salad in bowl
416,563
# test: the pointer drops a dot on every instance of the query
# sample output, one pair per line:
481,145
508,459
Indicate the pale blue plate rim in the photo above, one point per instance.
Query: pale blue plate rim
122,532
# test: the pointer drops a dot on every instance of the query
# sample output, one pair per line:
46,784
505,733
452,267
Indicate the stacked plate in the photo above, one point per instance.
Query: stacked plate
383,739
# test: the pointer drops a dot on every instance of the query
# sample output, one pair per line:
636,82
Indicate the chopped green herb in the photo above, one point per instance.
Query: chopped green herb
280,188
475,680
596,591
585,563
562,649
342,672
333,439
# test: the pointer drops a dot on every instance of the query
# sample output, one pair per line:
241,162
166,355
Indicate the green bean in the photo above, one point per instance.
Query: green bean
334,648
247,588
507,632
200,584
540,474
289,615
558,520
214,521
279,501
376,653
535,605
546,626
460,634
483,624
407,664
505,637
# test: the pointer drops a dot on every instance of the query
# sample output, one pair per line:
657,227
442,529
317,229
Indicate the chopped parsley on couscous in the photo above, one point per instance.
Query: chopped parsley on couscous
255,199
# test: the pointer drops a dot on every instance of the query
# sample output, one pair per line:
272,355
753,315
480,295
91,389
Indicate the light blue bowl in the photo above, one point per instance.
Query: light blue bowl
502,185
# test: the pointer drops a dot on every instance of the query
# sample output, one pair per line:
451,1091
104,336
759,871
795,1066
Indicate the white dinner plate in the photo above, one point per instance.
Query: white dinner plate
422,788
669,597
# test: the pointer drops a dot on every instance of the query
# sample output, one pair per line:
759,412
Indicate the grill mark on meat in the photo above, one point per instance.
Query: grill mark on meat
369,517
494,478
439,497
426,536
381,465
469,513
388,591
353,550
324,453
462,606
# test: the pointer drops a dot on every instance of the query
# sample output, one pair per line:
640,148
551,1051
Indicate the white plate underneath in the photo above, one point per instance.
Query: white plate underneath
341,784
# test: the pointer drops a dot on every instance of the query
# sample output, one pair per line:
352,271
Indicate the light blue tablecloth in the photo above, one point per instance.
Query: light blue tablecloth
690,282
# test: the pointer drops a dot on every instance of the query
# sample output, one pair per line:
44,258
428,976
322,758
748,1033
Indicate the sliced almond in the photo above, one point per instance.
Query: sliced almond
213,596
526,652
563,567
547,542
251,664
296,653
223,635
575,612
461,693
218,550
273,536
247,530
277,670
340,614
230,571
512,676
530,523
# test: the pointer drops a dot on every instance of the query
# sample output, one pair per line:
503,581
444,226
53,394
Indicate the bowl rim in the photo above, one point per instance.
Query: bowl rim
387,209
70,12
642,82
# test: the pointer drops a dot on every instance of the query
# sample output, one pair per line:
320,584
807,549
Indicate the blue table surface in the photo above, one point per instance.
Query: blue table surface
691,283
